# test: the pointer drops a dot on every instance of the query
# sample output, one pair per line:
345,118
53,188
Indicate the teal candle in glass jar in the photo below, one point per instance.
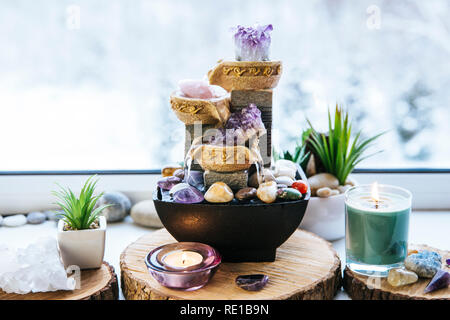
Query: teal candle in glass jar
377,224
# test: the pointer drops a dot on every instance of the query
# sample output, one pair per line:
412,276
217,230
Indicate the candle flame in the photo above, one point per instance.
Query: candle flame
183,258
375,194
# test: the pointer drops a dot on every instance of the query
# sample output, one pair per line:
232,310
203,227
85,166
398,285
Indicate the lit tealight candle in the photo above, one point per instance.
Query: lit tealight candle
183,265
182,259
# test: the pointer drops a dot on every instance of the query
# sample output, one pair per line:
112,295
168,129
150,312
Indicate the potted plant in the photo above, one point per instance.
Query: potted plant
328,159
81,230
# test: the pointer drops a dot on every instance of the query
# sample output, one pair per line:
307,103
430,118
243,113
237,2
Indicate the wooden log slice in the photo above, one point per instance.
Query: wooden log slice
96,284
370,288
306,268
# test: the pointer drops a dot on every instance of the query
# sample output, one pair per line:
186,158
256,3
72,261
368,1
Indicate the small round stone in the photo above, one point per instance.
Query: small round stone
169,170
322,180
177,187
400,277
334,192
425,263
167,183
219,192
252,282
324,192
254,180
53,215
285,172
342,189
120,206
16,220
267,192
300,186
36,217
188,195
289,194
144,213
288,181
245,194
179,173
286,163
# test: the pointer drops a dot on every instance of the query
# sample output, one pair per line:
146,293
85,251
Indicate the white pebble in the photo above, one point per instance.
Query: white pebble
284,180
16,220
324,192
334,192
284,171
342,189
286,163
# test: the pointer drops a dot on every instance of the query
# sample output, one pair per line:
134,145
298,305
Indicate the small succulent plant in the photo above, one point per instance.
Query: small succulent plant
79,213
336,151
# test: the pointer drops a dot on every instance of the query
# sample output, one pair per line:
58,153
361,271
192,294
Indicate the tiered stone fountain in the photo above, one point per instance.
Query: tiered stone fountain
226,195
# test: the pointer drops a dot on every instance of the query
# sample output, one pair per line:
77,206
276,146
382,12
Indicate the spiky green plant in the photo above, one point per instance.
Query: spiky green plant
79,213
299,155
336,152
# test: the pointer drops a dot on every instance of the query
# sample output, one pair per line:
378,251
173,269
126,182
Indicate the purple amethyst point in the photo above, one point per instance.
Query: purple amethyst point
447,262
252,282
440,280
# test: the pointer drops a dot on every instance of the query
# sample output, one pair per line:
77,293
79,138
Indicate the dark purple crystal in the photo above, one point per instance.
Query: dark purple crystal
167,183
188,195
447,262
195,179
440,280
252,282
240,127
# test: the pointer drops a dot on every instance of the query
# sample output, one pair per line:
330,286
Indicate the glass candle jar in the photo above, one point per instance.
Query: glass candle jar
376,228
184,265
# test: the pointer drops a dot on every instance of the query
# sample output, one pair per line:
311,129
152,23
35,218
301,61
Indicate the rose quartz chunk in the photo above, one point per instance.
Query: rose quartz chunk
199,89
195,89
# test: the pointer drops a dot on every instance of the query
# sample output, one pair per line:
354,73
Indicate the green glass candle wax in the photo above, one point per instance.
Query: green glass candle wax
376,228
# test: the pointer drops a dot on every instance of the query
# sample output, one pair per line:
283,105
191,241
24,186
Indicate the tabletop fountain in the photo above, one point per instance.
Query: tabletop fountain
228,194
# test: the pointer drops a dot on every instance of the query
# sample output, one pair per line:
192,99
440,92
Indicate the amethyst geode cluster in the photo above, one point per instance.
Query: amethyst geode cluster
252,43
240,127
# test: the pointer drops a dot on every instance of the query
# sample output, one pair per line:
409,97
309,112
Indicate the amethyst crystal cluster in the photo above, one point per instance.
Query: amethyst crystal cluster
252,43
240,127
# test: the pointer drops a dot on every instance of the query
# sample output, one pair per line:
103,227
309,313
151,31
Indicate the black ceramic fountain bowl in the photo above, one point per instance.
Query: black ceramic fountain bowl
241,232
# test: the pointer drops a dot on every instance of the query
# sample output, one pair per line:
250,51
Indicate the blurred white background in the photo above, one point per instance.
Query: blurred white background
85,84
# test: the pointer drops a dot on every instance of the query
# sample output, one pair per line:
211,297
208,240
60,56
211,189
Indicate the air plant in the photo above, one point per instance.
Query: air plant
79,213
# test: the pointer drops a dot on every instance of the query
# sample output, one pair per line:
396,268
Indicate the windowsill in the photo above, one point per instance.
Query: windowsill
426,227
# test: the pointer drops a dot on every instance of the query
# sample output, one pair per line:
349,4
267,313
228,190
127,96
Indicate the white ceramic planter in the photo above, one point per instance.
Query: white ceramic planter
83,248
325,217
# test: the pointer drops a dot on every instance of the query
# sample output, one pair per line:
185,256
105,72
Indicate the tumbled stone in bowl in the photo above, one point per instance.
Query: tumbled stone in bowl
188,195
289,194
252,282
167,183
245,194
179,173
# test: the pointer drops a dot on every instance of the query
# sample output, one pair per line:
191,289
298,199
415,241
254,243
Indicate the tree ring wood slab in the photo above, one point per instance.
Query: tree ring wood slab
307,267
366,288
96,284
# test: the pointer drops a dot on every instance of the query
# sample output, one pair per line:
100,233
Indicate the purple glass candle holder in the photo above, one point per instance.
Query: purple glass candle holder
185,266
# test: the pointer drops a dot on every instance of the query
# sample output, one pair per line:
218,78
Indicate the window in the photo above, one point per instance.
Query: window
86,86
